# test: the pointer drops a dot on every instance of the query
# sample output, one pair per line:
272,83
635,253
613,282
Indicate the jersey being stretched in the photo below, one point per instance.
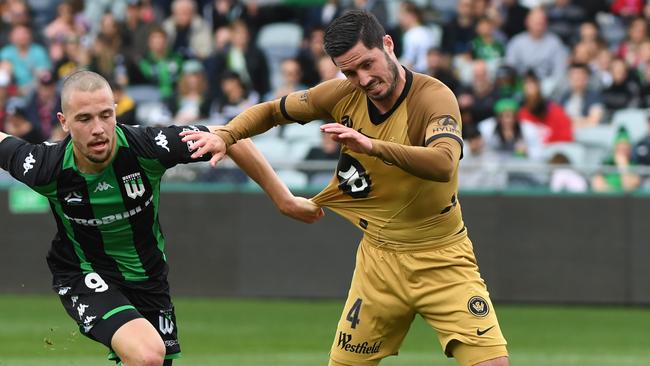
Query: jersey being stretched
392,206
106,222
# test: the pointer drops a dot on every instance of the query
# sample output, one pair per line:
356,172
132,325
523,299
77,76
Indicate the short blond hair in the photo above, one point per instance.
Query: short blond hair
83,80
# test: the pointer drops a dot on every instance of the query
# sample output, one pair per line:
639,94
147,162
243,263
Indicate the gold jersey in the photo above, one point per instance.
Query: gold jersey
394,208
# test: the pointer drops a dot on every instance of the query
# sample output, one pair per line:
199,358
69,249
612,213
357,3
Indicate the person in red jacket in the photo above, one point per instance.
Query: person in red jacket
550,117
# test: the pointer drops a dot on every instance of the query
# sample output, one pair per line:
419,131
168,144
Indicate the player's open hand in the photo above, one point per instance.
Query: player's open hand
347,136
302,209
205,142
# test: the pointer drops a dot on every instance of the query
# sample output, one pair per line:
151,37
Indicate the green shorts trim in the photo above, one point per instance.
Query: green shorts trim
117,310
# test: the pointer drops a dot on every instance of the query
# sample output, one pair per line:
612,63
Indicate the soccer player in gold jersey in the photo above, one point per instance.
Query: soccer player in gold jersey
397,180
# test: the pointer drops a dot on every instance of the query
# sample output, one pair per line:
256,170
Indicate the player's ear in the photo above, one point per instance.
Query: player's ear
389,46
62,120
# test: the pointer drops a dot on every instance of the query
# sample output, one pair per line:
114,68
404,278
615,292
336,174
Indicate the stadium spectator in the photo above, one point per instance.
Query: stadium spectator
629,49
42,105
190,102
512,17
94,10
74,57
106,60
221,13
457,35
564,178
619,176
15,13
485,46
25,58
244,58
601,68
235,98
506,137
564,19
547,115
189,34
581,103
290,80
624,89
627,8
327,70
310,52
376,7
416,39
134,33
124,105
439,66
508,83
641,150
328,150
17,122
67,24
540,51
160,66
482,91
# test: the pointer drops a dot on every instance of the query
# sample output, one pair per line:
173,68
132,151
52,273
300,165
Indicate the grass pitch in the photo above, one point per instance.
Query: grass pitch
35,331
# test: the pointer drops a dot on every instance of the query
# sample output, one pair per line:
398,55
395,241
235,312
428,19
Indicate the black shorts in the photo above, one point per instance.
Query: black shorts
100,308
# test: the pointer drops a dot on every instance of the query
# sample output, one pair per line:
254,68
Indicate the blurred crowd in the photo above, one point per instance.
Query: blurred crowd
553,93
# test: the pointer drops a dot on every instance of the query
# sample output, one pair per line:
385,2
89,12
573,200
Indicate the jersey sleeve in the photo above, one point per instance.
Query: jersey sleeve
33,164
444,120
315,103
163,144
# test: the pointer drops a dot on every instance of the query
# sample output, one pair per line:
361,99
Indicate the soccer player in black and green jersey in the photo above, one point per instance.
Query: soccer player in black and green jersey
103,184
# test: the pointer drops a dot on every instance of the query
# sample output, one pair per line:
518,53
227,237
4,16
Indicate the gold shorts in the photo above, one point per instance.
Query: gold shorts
389,288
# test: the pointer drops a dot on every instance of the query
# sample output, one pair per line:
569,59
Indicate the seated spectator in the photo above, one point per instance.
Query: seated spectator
439,66
241,56
134,32
15,13
290,81
66,24
628,50
482,92
581,103
624,90
160,65
508,84
619,177
513,16
189,34
43,104
485,46
376,7
17,122
546,115
74,57
220,13
327,70
457,35
564,178
190,103
627,8
26,59
328,150
106,60
308,56
507,137
235,98
564,19
641,151
539,50
416,39
124,105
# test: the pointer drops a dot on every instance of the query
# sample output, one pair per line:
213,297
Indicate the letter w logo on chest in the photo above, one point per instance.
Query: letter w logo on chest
133,185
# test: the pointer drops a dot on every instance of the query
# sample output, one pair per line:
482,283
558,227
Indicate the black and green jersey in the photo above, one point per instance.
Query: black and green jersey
107,222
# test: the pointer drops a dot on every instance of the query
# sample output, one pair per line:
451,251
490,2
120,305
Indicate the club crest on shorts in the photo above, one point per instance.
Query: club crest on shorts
478,306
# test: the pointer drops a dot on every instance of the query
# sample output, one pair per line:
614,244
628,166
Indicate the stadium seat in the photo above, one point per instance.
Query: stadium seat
144,93
601,136
298,150
293,178
575,152
634,120
279,41
309,132
276,150
152,114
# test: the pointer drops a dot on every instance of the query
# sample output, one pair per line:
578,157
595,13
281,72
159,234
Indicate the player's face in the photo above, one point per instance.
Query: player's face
371,70
90,119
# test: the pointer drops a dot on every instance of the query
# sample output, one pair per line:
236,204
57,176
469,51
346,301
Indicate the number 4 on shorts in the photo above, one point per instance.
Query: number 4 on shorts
353,314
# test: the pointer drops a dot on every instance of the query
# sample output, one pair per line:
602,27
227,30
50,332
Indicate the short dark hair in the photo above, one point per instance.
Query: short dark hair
345,31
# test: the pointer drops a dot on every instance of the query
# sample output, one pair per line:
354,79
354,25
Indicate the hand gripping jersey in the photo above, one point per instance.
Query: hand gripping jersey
107,222
392,207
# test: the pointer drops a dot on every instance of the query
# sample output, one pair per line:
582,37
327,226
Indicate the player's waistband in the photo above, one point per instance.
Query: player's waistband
415,247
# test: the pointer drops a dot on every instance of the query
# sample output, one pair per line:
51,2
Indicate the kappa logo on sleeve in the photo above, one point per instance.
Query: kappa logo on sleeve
29,163
161,140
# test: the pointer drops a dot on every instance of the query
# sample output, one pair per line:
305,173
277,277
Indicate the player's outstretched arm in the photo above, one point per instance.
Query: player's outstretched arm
253,163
